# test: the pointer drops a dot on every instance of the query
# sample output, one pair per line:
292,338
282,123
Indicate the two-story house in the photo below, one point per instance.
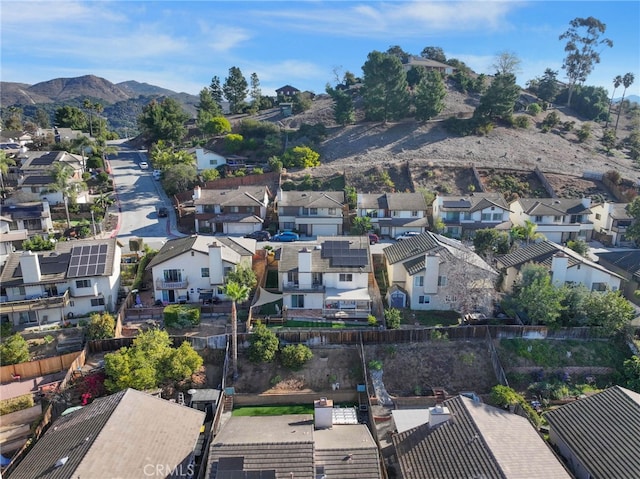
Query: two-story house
462,216
565,266
311,213
329,278
74,280
36,174
430,271
610,223
20,221
558,219
427,64
233,211
392,214
193,268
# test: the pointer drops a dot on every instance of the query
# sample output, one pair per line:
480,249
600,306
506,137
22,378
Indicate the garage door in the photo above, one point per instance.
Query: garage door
325,230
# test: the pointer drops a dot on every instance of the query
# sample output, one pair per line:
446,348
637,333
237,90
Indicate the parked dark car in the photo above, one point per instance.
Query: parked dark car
286,236
259,235
373,238
163,212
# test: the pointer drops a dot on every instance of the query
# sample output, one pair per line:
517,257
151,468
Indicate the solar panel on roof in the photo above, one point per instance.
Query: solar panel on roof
88,260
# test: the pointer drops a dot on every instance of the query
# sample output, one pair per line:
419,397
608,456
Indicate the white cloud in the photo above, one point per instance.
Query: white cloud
226,38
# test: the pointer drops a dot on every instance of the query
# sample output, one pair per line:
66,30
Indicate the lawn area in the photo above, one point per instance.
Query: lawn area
272,410
431,318
272,279
560,353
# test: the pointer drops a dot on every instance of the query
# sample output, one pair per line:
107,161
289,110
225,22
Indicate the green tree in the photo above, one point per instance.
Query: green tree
579,246
633,208
235,89
415,75
164,156
233,142
385,92
178,178
627,81
217,125
295,356
38,243
263,344
256,92
207,108
14,350
301,102
300,157
609,310
236,292
631,371
361,225
216,90
489,241
393,317
243,275
343,109
583,49
499,100
399,53
434,53
5,163
71,117
61,174
210,174
101,326
430,93
617,81
506,63
548,85
526,232
181,362
42,118
537,296
574,304
163,120
504,396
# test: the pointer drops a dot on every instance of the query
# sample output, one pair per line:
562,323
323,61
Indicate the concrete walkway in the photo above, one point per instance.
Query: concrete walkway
26,386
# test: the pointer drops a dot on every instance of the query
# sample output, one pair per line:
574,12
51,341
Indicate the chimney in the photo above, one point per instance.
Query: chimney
323,413
438,414
586,202
216,268
431,272
559,265
304,267
30,265
197,193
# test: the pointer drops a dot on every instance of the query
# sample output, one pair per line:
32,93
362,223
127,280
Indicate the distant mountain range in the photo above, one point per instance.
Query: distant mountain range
631,98
122,102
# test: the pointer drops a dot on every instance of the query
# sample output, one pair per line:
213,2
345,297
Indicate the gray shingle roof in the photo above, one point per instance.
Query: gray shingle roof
240,196
553,206
603,431
198,243
115,436
626,260
406,249
474,202
312,199
406,202
478,441
288,260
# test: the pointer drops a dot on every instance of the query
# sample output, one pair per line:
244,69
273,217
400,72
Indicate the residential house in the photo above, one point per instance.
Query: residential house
565,266
394,213
432,272
427,64
311,213
329,278
35,174
16,136
598,435
127,434
291,446
232,211
462,438
20,221
208,160
610,223
626,264
558,219
463,215
193,268
10,240
287,91
74,280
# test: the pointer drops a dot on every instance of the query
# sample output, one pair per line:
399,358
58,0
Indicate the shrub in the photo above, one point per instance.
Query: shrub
534,109
372,320
14,350
294,357
375,365
101,326
181,315
19,403
233,142
551,120
521,122
393,318
6,329
300,157
584,132
263,344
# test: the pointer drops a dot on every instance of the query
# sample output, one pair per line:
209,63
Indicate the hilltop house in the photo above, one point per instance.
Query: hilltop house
598,435
194,268
430,271
74,280
311,213
233,211
610,222
462,216
394,213
207,159
427,64
287,91
565,265
127,434
329,278
558,219
465,438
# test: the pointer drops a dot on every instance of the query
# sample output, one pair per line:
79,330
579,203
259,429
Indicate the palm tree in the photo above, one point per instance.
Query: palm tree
526,232
62,173
617,81
5,163
235,292
89,106
627,81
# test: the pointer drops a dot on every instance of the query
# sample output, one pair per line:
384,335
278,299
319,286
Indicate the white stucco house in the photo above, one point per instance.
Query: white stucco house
311,213
610,222
193,269
74,280
208,160
392,214
463,215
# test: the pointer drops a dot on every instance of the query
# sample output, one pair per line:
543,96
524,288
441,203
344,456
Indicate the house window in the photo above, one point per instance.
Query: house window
442,280
332,211
599,287
97,302
414,214
227,270
288,226
497,216
537,219
297,300
213,162
371,213
450,298
345,277
557,219
21,291
83,283
316,279
313,211
292,277
486,217
172,275
204,272
598,216
305,211
576,219
418,281
424,299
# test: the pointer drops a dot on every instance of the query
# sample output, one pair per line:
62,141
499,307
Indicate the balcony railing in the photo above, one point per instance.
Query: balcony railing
41,302
315,288
161,284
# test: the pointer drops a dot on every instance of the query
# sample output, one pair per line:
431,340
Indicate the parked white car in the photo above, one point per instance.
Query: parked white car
406,235
144,165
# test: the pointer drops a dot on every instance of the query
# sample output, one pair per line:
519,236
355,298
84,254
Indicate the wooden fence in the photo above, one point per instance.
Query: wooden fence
34,369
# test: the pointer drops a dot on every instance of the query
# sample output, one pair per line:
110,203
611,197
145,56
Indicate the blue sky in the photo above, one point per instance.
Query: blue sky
182,45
